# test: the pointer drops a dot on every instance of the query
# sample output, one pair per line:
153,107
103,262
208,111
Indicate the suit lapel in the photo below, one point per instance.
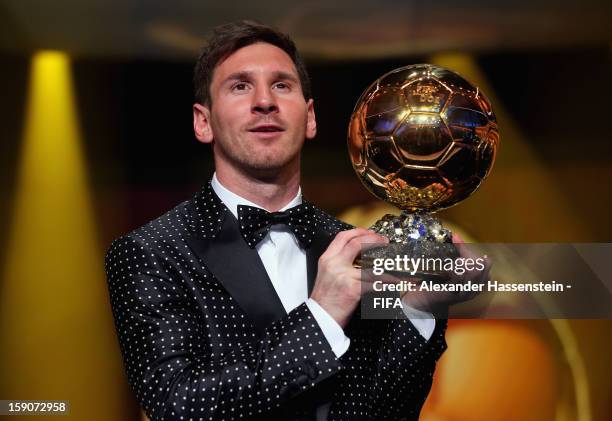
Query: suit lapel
217,241
316,249
236,266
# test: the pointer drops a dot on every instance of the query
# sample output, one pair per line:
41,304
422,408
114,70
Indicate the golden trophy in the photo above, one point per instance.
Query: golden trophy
422,138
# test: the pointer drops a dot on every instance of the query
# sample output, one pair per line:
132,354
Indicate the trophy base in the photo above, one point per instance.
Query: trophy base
415,235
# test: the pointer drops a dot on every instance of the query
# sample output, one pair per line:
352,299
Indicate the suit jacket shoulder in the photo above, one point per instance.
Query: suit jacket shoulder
330,224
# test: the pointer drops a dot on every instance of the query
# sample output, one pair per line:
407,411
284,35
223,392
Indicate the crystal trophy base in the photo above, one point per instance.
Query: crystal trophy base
415,235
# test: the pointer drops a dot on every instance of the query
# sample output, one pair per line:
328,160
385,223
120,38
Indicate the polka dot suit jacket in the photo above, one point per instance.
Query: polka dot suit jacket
204,336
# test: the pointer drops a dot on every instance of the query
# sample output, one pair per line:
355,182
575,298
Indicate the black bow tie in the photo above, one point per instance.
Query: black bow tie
256,222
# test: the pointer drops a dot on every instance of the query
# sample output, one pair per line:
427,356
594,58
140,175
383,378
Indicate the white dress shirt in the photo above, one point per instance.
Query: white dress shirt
285,263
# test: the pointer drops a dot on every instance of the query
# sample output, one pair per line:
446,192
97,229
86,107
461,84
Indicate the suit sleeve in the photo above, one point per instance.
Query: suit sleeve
405,369
388,368
165,344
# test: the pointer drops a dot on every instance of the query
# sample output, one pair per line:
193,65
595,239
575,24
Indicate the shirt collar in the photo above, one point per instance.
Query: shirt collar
232,200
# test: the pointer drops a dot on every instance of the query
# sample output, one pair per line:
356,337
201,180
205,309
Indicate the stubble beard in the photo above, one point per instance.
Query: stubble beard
263,165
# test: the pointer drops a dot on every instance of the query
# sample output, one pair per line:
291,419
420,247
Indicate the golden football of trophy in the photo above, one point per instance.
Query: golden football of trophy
422,138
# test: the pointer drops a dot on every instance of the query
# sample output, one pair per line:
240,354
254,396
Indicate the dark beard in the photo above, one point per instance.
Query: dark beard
266,171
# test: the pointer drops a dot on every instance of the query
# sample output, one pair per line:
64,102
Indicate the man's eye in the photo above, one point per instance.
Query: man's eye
240,86
281,85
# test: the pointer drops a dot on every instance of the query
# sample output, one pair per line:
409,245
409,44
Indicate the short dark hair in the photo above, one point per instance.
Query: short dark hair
227,39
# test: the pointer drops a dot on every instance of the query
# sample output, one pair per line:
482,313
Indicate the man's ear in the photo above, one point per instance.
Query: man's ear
311,122
201,123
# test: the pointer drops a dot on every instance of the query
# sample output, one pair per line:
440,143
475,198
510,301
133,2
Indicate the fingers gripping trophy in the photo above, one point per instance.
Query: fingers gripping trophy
421,138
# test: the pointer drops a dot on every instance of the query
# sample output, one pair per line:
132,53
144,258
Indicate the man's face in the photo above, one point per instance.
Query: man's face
258,118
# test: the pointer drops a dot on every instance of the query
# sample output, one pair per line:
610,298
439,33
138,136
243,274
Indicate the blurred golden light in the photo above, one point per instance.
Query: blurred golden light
57,337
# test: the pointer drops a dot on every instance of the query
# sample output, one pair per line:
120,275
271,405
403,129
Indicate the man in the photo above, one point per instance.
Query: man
225,311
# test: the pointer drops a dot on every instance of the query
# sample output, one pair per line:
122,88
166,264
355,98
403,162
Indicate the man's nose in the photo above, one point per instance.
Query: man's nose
264,101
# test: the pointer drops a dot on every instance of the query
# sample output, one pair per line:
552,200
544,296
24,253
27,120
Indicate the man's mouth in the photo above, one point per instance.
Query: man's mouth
266,128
